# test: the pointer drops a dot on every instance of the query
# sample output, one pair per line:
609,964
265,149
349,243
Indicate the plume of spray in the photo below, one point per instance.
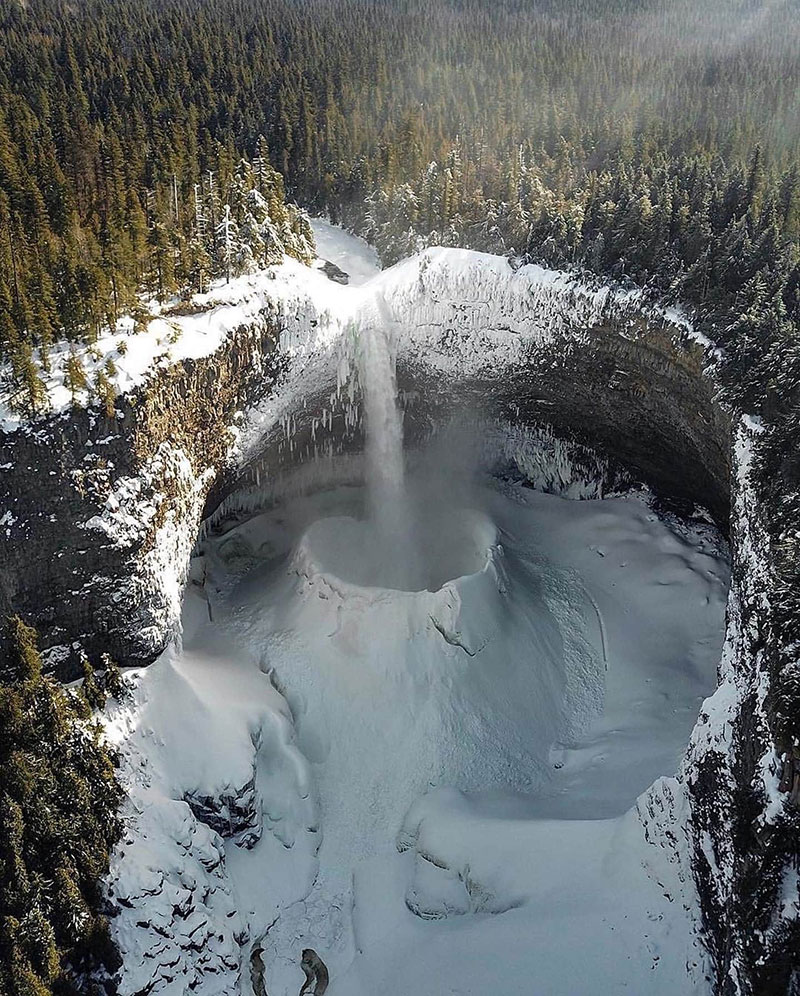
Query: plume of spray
415,536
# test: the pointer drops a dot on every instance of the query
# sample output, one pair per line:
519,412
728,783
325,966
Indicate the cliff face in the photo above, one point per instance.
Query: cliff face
476,339
98,516
741,770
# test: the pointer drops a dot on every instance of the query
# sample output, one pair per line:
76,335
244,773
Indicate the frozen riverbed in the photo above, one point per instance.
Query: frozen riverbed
352,255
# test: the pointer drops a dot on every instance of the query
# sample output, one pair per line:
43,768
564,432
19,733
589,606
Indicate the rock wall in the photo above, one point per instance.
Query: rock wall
740,769
476,338
99,514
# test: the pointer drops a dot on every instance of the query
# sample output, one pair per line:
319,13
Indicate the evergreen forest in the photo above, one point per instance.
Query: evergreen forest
58,822
145,144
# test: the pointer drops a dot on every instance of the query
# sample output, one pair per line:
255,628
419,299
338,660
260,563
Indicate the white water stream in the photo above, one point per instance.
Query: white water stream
388,539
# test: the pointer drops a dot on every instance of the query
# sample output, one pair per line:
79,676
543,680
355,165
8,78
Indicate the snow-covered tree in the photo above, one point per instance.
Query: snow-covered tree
228,248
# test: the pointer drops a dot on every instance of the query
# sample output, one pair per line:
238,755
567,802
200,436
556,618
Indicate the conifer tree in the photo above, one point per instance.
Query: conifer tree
104,390
75,375
58,821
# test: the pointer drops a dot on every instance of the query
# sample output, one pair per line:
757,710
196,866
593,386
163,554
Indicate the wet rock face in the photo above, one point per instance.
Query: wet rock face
632,390
647,404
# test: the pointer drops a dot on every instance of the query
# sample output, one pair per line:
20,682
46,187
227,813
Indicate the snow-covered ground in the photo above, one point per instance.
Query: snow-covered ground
444,788
176,331
497,730
352,255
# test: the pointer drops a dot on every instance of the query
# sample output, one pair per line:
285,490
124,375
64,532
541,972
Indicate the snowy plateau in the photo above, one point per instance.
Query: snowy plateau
446,765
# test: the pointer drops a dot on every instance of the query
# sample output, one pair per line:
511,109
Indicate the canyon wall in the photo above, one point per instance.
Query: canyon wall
98,515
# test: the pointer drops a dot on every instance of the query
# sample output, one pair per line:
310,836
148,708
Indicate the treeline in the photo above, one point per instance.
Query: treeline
639,139
689,228
73,281
58,822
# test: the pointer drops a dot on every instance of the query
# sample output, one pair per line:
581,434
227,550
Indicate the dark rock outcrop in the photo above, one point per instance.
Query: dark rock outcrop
234,815
333,272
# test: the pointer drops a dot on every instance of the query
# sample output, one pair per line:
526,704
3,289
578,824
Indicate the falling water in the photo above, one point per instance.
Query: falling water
388,505
384,427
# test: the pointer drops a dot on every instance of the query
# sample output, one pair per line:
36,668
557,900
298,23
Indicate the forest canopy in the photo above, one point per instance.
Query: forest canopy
58,822
646,141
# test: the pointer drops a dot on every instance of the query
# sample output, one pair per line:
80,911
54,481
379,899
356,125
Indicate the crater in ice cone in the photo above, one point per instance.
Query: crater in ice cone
441,549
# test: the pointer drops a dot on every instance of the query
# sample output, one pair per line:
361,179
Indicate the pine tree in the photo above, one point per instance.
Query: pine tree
31,397
105,393
228,245
75,376
755,181
198,261
91,691
114,684
24,659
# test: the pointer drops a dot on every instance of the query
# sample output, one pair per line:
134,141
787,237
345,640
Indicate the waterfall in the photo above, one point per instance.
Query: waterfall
388,506
384,430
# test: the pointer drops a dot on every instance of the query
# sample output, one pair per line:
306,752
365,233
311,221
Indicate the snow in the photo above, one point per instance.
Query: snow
178,331
181,921
452,779
499,314
497,730
551,907
351,254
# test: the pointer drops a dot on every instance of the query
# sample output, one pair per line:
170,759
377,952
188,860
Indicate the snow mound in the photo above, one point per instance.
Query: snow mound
192,732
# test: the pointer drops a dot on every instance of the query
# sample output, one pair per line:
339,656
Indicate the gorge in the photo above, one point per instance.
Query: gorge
295,771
